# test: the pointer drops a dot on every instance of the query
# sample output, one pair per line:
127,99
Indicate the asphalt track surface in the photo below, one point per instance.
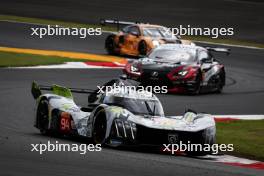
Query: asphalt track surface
242,95
245,16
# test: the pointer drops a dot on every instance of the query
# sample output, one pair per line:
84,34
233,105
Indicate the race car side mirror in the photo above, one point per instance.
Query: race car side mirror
206,60
190,110
35,90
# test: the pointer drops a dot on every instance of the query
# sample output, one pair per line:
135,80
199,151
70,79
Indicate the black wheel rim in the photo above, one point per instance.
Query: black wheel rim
99,130
110,45
197,85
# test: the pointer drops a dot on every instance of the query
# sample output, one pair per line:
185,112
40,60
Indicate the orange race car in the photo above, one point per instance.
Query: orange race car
137,39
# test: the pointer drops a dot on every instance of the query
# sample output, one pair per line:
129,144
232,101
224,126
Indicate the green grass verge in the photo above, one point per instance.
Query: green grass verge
246,135
111,28
9,59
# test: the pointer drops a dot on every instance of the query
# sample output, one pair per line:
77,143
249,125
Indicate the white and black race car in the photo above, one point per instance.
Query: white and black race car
118,117
182,68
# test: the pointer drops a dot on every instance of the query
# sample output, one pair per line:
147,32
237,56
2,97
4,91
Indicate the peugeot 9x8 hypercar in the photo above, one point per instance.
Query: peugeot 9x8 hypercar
117,117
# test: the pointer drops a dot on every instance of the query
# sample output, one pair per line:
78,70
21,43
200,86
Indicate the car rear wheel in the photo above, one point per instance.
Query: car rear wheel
220,83
43,116
142,48
196,87
99,128
219,87
110,45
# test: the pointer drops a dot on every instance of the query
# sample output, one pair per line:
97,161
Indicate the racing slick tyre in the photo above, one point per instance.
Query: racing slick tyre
220,83
142,48
43,116
110,45
195,89
99,128
219,86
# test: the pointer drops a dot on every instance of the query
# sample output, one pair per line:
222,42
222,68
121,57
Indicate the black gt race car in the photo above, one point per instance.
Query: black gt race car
182,68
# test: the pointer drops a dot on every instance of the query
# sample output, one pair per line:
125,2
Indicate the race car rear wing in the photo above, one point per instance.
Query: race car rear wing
116,22
58,90
222,50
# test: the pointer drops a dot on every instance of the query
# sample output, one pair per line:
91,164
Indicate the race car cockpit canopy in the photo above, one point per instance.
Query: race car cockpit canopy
137,106
178,53
157,32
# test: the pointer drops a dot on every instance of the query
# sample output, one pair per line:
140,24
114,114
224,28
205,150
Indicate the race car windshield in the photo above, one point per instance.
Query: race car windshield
137,106
175,56
204,55
159,32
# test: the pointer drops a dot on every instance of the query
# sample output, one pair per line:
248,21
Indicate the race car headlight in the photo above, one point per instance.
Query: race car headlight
134,69
155,43
183,72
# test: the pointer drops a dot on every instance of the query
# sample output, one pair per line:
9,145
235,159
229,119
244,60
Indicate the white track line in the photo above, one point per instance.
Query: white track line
232,45
241,117
67,65
234,161
230,159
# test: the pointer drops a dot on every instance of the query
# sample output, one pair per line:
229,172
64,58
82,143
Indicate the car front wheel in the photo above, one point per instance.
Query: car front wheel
43,116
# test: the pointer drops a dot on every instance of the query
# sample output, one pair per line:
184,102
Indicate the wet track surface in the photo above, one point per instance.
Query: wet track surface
244,94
